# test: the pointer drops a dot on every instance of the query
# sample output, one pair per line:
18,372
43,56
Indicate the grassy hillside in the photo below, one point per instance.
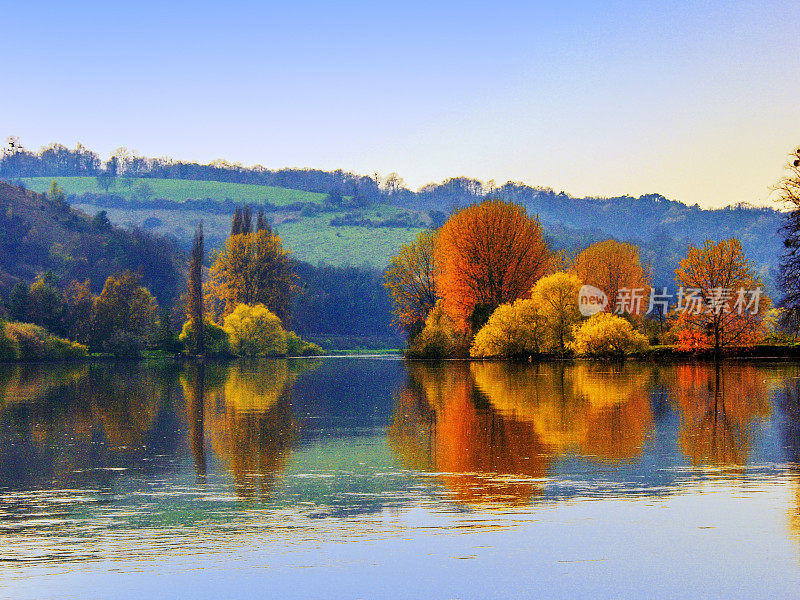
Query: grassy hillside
179,189
314,240
311,239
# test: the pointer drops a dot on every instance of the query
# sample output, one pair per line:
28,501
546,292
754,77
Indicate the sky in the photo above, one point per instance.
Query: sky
698,101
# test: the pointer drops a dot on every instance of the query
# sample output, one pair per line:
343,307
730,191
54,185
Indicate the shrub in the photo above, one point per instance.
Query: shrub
606,334
33,342
438,339
254,330
9,346
215,338
298,347
513,330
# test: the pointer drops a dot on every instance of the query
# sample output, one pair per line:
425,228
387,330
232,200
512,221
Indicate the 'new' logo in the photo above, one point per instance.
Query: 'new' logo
591,300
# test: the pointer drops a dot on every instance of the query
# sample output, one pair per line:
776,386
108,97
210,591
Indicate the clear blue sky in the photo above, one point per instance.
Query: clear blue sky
698,101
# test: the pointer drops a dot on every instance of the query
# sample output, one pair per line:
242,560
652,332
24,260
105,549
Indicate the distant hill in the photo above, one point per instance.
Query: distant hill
342,218
39,234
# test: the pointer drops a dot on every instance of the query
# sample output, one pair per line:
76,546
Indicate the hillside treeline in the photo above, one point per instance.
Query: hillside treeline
651,221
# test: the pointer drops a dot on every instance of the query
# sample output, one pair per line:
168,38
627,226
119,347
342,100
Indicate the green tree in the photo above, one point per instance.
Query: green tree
57,195
215,338
46,304
18,301
123,315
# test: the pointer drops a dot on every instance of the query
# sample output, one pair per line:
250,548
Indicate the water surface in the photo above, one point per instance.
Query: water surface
352,477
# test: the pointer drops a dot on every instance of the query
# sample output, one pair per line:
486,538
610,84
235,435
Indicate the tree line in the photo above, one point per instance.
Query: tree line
487,285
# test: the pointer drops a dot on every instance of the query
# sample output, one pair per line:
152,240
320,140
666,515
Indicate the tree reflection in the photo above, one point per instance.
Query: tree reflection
441,424
67,421
718,405
244,413
490,427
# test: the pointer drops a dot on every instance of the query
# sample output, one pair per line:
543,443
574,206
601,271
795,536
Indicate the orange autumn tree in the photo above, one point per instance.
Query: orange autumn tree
488,254
613,266
721,301
411,281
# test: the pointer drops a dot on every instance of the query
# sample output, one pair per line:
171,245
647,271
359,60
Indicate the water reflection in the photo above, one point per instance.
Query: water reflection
719,404
495,431
149,459
242,411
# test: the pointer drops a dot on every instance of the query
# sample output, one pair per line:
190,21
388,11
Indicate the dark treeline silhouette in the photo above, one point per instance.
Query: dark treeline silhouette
341,301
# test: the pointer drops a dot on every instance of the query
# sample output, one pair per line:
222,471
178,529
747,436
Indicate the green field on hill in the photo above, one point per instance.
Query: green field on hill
179,189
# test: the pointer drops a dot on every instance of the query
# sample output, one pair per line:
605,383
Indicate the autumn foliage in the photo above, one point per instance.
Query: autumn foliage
605,334
613,266
488,254
252,268
411,281
722,280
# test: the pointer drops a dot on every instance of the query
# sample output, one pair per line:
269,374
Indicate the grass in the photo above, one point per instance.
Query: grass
181,189
311,239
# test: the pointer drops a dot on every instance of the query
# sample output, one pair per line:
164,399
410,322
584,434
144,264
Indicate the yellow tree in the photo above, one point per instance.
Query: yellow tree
411,281
556,298
613,266
252,268
721,299
488,254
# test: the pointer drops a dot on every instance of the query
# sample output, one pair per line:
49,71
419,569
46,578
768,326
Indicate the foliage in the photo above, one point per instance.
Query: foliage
514,329
36,237
215,337
9,346
194,292
713,270
297,347
254,330
341,301
18,301
252,268
77,317
45,303
488,254
692,340
32,342
613,266
556,299
439,338
124,314
411,281
605,334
